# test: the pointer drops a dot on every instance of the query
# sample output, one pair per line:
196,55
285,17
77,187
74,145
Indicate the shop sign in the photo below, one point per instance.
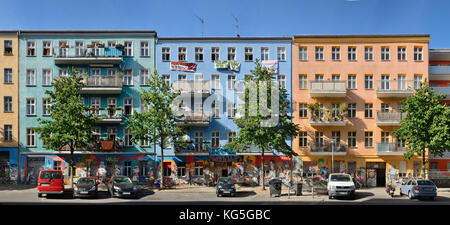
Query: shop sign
226,158
182,66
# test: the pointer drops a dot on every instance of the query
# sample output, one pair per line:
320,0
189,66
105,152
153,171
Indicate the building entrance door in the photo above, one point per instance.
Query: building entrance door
224,172
380,171
34,165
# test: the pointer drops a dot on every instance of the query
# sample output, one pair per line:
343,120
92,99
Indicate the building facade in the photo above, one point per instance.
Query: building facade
9,119
347,92
206,72
117,64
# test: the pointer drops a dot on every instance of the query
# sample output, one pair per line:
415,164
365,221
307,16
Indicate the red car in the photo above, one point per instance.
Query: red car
50,182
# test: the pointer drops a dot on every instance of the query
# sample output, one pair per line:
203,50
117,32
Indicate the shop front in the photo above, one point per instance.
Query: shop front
8,165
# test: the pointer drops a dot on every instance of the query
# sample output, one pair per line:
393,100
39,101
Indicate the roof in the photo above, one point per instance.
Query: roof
88,33
225,38
363,38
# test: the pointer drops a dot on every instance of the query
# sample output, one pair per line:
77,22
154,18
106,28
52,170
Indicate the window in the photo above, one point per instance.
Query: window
127,169
302,53
264,53
127,77
401,53
31,106
166,78
95,104
182,77
319,77
368,81
368,53
231,110
231,136
282,80
351,53
79,48
31,48
144,76
215,53
368,113
7,76
128,106
281,54
46,77
145,142
335,53
215,81
46,104
368,139
319,53
165,52
198,140
232,53
231,81
145,48
181,170
335,77
303,139
335,110
46,48
319,138
402,82
63,73
352,110
127,137
96,133
181,54
417,53
417,81
112,44
31,77
336,135
352,139
143,106
352,81
31,138
128,48
248,51
215,139
302,81
7,104
199,171
385,82
111,132
384,53
63,49
303,110
7,132
215,109
111,72
384,107
7,47
199,54
384,137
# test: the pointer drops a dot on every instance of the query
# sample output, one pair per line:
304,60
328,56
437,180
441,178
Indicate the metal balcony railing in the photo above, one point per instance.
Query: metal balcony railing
443,90
391,117
439,70
192,86
328,88
84,52
327,147
109,114
395,88
103,81
194,118
389,147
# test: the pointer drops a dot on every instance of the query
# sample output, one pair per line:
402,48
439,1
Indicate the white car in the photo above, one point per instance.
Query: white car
340,184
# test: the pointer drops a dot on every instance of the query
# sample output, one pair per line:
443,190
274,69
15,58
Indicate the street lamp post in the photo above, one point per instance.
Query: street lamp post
333,141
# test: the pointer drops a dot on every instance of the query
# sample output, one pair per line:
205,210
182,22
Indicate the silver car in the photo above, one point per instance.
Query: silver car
419,188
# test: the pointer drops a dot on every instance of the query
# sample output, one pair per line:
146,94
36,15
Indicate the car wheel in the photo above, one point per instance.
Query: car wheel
39,195
410,195
330,197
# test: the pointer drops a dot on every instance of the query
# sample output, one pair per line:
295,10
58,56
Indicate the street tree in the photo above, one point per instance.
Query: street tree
426,125
70,126
260,125
158,122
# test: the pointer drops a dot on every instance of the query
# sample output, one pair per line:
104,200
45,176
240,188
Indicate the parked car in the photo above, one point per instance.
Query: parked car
122,186
86,187
419,188
50,182
225,185
340,184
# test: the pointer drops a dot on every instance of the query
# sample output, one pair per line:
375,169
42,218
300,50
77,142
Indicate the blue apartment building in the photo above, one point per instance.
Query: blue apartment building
118,64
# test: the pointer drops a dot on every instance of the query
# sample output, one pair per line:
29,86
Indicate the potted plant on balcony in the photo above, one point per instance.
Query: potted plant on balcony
342,111
119,46
101,45
314,108
90,45
119,75
327,114
91,54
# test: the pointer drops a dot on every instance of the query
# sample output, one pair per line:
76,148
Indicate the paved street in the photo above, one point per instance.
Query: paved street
192,195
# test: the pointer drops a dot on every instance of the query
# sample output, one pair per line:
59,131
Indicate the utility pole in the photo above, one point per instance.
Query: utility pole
201,21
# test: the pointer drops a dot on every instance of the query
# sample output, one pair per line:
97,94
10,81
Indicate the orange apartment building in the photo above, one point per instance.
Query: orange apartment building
358,83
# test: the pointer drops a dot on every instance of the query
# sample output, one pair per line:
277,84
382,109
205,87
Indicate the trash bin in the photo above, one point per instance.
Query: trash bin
298,189
275,187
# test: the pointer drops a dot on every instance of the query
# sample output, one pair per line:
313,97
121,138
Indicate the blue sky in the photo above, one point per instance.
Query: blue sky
256,18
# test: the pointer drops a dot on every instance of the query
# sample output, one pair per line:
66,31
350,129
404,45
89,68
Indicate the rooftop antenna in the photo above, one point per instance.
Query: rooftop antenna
236,25
201,21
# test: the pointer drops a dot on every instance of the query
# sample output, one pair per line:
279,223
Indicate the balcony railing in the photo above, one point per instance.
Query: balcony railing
196,119
108,115
326,148
395,88
83,55
439,174
328,88
193,148
102,85
192,87
391,118
439,70
332,121
443,90
390,149
100,146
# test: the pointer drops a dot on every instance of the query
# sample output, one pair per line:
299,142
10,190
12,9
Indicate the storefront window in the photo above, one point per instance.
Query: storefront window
199,171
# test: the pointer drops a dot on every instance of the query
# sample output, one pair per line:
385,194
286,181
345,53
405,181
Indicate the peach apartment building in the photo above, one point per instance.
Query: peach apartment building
347,90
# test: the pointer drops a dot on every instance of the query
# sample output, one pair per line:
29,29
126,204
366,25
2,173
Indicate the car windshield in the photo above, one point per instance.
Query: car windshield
50,175
225,181
86,181
424,182
340,178
124,180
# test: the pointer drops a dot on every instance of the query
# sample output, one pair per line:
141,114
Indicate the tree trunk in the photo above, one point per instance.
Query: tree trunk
423,165
161,184
263,171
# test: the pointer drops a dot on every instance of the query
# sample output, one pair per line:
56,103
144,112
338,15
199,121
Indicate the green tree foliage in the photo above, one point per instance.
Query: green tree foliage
252,131
426,125
70,126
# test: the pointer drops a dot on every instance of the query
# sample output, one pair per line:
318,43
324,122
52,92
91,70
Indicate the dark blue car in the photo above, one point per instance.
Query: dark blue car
418,188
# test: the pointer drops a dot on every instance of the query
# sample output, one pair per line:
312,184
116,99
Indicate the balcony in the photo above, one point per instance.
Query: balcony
328,122
389,149
194,149
391,118
108,115
439,70
326,149
102,85
328,89
87,56
106,146
190,87
444,90
194,119
395,88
